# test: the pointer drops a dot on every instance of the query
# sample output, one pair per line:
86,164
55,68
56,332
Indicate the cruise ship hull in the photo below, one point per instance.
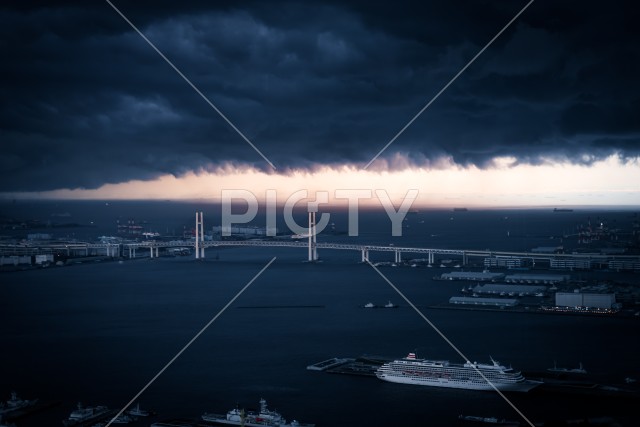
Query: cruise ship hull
467,376
524,386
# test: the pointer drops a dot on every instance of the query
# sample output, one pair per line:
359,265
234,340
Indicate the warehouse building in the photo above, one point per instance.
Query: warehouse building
481,276
501,289
537,278
495,302
579,299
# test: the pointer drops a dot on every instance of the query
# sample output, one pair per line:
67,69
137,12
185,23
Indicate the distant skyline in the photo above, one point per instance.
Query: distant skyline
547,115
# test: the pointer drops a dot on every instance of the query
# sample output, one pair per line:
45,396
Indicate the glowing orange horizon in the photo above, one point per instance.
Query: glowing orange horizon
606,182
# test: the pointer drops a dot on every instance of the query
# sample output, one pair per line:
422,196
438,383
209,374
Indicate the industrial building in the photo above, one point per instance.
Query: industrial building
481,276
548,249
496,302
39,236
571,264
15,260
624,265
537,278
245,230
44,259
500,289
505,262
579,299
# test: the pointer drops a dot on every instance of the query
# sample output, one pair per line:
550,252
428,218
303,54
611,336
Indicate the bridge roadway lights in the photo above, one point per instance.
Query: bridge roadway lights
466,255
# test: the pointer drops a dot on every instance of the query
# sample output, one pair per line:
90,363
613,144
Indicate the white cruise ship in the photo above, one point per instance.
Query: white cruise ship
441,373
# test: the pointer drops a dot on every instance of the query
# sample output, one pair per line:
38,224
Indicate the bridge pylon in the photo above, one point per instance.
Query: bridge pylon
313,251
199,235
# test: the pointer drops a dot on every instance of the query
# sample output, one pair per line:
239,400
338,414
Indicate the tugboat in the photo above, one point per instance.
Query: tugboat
266,417
390,305
369,305
137,412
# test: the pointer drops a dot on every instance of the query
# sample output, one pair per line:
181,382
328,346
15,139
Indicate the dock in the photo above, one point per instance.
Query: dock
329,364
365,365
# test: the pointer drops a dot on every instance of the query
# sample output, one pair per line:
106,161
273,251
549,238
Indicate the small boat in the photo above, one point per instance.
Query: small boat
579,370
137,412
390,305
122,419
369,305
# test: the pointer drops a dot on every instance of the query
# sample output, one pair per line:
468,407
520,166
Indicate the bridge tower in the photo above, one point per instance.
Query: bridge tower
313,251
199,235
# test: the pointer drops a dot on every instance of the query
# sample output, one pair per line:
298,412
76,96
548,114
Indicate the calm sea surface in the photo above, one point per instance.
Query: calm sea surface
98,332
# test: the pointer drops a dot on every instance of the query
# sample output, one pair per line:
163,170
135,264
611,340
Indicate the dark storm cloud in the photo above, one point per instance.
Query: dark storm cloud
85,101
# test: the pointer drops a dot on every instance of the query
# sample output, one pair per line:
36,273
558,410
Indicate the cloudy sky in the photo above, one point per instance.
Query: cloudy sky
548,114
